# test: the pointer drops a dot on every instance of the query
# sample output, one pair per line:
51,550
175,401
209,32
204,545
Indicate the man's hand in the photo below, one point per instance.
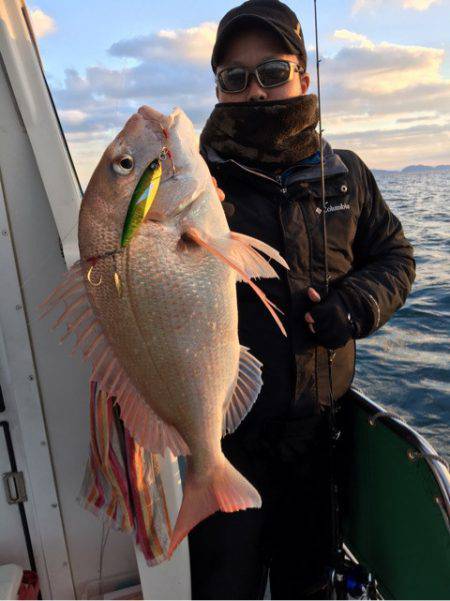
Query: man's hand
329,322
220,193
227,206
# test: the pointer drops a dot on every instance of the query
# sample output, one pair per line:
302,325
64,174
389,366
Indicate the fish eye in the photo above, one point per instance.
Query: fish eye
124,165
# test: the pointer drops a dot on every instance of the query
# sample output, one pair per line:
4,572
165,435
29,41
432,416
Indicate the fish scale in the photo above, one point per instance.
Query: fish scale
177,315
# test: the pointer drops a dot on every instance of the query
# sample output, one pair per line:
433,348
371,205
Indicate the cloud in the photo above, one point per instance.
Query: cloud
419,4
430,117
373,5
105,94
388,102
73,116
384,68
165,69
358,39
377,96
193,45
395,148
181,75
43,24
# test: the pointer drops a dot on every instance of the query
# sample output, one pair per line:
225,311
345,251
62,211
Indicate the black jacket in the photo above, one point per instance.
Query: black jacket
369,260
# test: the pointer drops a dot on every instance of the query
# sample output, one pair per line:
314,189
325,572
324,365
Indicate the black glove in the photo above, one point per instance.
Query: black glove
333,324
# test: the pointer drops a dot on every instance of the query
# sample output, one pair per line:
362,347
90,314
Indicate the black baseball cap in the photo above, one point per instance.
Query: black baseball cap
271,14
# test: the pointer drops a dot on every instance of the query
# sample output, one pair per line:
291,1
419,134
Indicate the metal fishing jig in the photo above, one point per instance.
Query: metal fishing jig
142,199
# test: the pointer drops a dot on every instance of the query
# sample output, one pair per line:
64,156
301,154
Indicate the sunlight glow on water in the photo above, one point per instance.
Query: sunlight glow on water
405,365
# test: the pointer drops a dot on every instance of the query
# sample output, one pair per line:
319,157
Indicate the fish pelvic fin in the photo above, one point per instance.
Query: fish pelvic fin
237,252
225,490
147,428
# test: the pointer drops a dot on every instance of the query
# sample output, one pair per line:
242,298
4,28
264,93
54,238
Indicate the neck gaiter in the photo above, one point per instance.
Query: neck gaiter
268,134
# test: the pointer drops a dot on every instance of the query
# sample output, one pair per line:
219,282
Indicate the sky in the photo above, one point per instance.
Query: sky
385,70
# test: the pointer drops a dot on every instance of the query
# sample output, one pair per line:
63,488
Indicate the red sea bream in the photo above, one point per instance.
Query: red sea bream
155,310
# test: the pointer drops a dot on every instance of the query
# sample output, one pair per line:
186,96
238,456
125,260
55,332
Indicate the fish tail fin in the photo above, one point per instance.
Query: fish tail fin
226,490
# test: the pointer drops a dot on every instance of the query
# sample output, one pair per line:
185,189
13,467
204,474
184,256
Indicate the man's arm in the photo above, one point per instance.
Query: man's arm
384,270
384,263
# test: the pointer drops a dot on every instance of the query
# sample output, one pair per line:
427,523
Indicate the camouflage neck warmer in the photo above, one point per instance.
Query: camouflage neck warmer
267,134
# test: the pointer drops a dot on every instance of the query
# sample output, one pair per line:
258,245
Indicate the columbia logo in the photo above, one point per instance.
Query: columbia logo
344,206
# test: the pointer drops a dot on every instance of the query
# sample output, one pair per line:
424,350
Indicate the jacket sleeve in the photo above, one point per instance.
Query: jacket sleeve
384,267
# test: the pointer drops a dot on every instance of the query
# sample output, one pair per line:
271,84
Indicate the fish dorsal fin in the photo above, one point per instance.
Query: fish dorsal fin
246,391
236,251
145,426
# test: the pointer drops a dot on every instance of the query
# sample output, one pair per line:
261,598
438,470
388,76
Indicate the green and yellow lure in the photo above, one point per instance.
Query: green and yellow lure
141,201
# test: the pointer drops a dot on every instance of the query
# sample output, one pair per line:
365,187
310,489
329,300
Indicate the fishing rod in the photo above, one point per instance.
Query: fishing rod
346,578
337,571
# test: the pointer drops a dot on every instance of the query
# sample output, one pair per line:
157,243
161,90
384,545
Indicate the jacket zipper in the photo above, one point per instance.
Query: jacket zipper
277,180
283,188
289,319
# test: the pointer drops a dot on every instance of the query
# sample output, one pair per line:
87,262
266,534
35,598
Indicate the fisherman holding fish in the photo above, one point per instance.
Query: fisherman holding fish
192,350
261,145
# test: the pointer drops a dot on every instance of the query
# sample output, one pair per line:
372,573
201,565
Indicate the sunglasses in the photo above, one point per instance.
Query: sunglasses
269,74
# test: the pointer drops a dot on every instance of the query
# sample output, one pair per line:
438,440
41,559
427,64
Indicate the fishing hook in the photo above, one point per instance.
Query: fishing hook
89,277
117,280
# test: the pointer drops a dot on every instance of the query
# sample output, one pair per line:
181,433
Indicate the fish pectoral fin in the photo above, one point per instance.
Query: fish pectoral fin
253,243
241,251
240,256
246,391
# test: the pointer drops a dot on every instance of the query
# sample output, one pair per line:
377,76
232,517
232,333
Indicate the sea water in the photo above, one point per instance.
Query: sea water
405,365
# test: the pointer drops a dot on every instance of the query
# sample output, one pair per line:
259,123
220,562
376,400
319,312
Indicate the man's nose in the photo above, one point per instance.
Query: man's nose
254,91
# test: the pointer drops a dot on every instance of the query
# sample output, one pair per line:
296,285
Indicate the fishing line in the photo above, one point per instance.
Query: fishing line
334,433
103,541
322,170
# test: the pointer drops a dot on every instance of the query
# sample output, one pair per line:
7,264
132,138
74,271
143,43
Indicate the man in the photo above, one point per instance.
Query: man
261,145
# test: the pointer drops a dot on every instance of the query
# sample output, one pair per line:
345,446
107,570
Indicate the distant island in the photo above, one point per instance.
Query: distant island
412,169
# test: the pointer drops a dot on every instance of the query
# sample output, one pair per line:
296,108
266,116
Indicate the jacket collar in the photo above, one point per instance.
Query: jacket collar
304,171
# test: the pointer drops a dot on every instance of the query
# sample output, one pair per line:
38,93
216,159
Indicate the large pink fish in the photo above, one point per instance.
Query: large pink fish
158,315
